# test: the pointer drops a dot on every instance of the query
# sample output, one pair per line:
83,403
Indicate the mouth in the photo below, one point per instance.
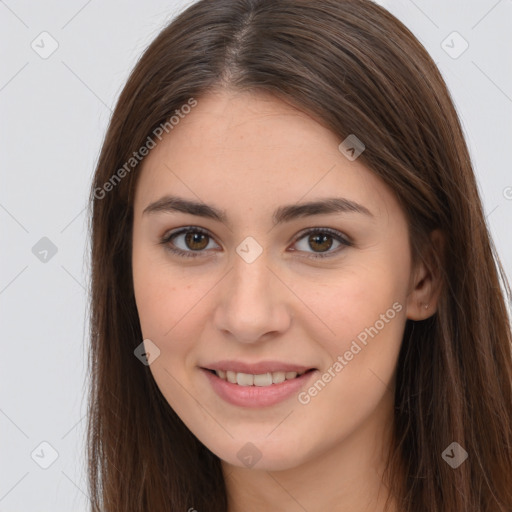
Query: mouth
261,390
259,380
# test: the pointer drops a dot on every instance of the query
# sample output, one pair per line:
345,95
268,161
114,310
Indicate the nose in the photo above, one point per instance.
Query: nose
254,303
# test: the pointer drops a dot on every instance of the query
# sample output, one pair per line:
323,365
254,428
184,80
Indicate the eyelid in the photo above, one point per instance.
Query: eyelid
320,229
343,239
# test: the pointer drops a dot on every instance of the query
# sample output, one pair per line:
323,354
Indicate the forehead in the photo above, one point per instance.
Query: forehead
251,150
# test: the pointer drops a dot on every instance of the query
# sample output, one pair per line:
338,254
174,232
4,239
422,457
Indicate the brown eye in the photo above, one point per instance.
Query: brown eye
320,241
189,242
196,241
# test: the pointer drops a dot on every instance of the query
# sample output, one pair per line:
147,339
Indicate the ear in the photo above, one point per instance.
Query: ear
426,283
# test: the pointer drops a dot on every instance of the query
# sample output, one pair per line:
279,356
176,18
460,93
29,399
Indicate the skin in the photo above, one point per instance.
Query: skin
248,154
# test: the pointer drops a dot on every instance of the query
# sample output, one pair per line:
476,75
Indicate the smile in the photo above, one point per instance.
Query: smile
256,390
249,379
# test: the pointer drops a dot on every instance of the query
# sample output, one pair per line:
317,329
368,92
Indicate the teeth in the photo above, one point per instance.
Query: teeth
247,379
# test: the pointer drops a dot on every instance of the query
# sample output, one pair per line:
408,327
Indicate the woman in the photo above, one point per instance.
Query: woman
296,302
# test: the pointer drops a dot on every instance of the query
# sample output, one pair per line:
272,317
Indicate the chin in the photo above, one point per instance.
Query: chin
260,455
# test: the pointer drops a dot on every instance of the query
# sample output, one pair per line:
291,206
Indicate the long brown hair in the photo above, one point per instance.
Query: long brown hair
356,69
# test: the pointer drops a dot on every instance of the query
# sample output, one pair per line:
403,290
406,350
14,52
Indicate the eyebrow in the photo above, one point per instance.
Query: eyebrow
286,213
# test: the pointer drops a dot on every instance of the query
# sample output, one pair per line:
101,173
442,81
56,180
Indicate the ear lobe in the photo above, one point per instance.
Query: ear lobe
427,283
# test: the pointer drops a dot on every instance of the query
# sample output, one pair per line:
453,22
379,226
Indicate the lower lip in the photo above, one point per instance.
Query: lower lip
256,396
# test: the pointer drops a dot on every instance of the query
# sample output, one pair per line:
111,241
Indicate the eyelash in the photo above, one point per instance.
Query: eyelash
194,254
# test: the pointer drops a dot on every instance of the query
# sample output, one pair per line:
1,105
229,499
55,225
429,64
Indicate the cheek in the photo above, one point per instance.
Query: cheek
165,304
148,290
160,295
362,313
366,314
354,299
163,307
171,307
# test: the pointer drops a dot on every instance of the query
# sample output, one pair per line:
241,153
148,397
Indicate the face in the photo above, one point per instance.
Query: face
323,290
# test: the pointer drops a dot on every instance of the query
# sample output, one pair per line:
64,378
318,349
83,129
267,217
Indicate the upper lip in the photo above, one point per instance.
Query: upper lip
256,368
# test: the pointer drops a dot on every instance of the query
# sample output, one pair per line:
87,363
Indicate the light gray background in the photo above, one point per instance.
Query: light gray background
54,113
